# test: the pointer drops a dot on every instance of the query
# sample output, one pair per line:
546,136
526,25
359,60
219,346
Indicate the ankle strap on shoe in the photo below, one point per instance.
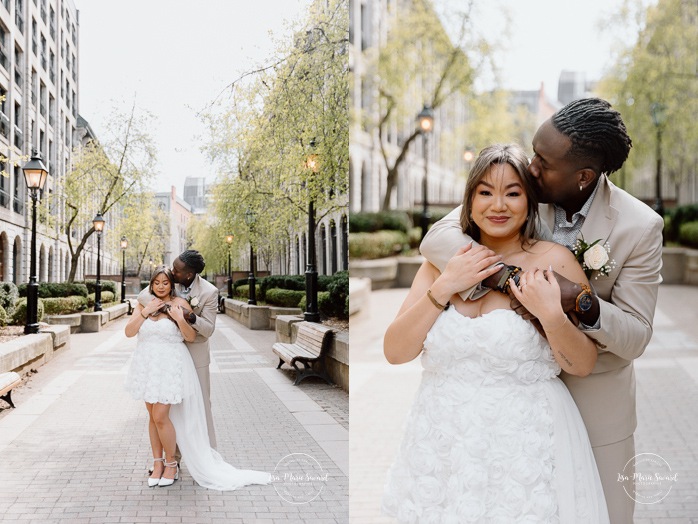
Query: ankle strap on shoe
159,460
170,464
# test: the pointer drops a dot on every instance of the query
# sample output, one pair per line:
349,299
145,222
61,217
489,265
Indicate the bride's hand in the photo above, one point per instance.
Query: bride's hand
152,306
469,266
176,312
539,292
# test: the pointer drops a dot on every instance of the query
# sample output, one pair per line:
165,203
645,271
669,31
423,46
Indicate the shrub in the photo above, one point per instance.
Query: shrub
376,245
383,220
290,282
324,303
144,284
8,296
107,296
243,291
3,317
680,216
688,234
64,305
107,285
19,317
56,289
338,290
283,297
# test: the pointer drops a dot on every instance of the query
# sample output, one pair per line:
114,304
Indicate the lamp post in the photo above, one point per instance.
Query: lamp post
124,245
250,219
468,155
229,240
425,120
98,223
35,175
658,117
311,313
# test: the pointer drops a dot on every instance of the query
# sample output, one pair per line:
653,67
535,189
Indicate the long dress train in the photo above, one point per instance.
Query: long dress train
162,371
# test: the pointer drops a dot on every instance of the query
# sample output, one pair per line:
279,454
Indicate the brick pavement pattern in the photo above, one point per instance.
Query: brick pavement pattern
76,448
667,404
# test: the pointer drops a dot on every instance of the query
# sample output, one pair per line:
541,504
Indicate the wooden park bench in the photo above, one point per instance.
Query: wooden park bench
8,381
312,343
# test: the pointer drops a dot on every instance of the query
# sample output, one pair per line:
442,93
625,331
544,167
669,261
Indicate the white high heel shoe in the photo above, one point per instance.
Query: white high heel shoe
168,482
152,482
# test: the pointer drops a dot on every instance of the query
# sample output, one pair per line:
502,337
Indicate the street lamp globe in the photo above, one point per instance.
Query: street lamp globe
124,242
425,119
229,239
98,222
35,172
468,155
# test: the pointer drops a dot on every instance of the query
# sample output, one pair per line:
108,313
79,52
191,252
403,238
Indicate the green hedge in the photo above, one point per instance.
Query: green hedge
678,217
56,289
380,244
382,220
688,234
3,317
243,291
107,297
19,317
283,297
324,303
107,285
64,305
8,297
339,295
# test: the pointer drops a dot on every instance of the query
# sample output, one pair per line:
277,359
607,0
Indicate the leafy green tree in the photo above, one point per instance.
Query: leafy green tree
105,175
660,68
281,139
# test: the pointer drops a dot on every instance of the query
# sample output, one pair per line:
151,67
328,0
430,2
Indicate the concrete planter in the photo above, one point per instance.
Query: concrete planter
407,268
381,271
359,294
690,274
680,265
256,317
33,350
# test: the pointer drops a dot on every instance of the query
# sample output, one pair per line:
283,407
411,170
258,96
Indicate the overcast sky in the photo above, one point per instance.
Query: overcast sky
174,57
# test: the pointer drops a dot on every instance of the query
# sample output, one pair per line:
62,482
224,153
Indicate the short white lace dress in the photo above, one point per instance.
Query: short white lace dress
155,374
493,434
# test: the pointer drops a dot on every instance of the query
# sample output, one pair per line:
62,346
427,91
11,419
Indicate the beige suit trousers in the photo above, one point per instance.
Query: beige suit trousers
611,460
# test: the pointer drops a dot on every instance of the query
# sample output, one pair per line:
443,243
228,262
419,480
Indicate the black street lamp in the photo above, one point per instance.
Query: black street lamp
124,245
425,120
658,117
229,240
98,223
312,313
35,175
250,219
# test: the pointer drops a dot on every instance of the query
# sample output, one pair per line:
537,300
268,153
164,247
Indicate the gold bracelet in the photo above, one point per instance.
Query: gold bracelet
144,316
435,302
557,328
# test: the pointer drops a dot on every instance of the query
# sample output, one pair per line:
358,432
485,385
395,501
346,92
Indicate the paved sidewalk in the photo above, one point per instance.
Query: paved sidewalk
76,449
667,397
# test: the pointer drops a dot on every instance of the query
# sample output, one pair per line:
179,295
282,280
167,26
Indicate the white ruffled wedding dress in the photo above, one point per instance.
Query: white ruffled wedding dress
162,371
493,434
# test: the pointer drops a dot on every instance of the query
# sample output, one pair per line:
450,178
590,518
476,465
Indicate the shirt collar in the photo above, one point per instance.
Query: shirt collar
582,213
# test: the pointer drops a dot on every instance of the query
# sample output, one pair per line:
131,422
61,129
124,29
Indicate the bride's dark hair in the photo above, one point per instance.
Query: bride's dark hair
498,154
163,270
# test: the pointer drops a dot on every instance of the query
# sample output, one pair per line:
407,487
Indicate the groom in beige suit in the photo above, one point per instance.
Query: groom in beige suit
574,151
203,300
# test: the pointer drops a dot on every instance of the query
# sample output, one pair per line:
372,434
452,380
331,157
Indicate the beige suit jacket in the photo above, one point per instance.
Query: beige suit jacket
606,398
206,311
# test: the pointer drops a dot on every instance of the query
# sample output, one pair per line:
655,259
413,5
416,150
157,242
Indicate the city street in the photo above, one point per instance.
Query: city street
667,393
75,450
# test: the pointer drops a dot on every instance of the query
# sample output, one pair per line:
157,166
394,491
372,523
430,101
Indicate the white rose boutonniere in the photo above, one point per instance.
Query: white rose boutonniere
594,257
193,301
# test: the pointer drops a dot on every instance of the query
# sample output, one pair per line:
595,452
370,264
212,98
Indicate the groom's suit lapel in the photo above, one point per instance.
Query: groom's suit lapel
602,215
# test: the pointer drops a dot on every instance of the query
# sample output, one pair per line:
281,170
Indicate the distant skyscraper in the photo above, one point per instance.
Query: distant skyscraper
195,193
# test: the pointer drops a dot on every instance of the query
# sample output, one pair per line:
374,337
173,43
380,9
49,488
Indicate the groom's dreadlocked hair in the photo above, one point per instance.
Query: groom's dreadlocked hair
597,133
193,260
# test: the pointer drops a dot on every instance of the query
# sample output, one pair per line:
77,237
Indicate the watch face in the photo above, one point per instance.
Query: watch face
584,302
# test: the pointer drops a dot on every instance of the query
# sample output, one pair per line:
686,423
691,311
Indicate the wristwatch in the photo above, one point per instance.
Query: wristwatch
512,272
584,300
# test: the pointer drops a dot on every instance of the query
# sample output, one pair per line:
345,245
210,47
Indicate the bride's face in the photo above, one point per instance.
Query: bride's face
499,206
161,286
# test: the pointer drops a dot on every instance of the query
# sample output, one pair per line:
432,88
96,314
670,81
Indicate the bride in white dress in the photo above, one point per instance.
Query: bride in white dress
163,375
493,434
